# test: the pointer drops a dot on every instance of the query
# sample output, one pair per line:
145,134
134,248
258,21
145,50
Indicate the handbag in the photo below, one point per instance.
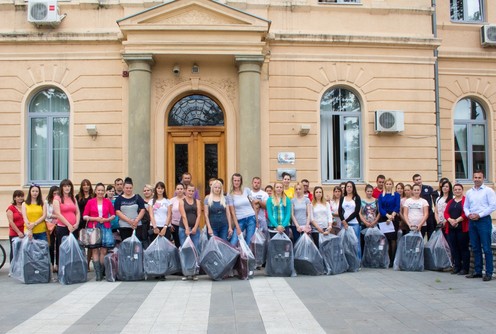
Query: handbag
90,237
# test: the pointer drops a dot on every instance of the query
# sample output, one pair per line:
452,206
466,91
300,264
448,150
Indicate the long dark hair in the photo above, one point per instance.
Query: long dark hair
80,195
450,191
354,191
159,184
66,182
39,199
51,194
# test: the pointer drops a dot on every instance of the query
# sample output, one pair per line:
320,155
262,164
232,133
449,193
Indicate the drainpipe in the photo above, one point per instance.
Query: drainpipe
436,93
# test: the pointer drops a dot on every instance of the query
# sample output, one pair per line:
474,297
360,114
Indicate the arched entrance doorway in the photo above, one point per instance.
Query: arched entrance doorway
195,141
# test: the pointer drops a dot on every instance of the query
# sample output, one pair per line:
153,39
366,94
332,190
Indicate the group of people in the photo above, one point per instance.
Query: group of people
279,208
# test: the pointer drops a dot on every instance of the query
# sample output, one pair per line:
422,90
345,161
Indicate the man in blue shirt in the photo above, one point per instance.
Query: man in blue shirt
480,202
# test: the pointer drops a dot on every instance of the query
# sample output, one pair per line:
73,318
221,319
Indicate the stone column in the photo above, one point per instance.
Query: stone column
139,118
249,144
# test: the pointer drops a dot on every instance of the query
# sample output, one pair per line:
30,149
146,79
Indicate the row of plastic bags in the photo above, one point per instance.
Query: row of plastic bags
337,254
413,255
218,258
31,261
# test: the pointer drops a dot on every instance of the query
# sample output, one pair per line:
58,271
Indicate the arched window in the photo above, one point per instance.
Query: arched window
196,110
340,130
470,139
48,132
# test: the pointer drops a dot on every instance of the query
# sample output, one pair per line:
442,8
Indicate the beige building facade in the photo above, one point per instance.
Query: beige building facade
150,89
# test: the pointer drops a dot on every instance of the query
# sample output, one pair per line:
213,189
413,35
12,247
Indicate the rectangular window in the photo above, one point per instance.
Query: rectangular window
466,10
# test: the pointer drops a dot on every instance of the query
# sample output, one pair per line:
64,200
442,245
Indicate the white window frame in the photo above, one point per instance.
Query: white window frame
469,140
327,141
49,117
465,11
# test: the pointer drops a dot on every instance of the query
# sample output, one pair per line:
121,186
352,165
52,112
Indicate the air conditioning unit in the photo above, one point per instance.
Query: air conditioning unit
488,35
389,121
43,12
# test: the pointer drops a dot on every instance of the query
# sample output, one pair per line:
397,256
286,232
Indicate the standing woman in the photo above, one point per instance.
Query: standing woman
85,194
190,209
34,213
130,208
457,231
337,193
66,210
369,212
300,213
98,213
14,216
442,200
51,222
146,220
321,215
389,208
349,210
416,210
288,190
217,216
242,212
176,215
407,193
159,211
279,210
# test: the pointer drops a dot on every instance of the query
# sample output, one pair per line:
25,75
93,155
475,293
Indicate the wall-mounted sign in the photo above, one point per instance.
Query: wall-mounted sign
286,158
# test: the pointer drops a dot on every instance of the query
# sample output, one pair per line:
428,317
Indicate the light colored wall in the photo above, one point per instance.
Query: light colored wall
381,49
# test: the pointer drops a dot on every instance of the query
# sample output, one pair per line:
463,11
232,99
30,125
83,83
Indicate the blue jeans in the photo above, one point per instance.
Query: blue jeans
480,234
356,228
296,234
40,236
194,237
220,230
248,224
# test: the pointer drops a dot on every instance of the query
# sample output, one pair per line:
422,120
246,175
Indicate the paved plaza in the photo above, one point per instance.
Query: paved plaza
369,301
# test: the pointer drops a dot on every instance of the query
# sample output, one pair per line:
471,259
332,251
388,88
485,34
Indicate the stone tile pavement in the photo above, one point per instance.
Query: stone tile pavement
369,301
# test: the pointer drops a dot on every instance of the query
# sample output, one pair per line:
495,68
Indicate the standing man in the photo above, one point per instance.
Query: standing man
306,189
119,187
480,202
259,200
186,181
426,193
380,186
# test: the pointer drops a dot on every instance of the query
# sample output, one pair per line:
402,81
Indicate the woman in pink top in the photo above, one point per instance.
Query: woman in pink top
98,213
176,215
66,210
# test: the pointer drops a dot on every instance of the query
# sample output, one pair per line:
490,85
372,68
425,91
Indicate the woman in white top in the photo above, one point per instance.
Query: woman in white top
349,209
441,202
416,210
176,215
160,213
242,211
321,215
300,213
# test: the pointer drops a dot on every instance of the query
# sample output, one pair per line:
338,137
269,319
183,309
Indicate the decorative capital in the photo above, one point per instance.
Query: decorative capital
142,58
250,59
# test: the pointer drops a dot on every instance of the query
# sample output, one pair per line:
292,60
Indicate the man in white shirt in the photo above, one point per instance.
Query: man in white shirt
259,199
480,202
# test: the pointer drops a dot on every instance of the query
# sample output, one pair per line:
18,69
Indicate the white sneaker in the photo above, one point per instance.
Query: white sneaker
184,278
195,278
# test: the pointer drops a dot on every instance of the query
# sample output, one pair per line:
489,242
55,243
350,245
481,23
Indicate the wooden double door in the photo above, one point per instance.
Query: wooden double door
197,150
